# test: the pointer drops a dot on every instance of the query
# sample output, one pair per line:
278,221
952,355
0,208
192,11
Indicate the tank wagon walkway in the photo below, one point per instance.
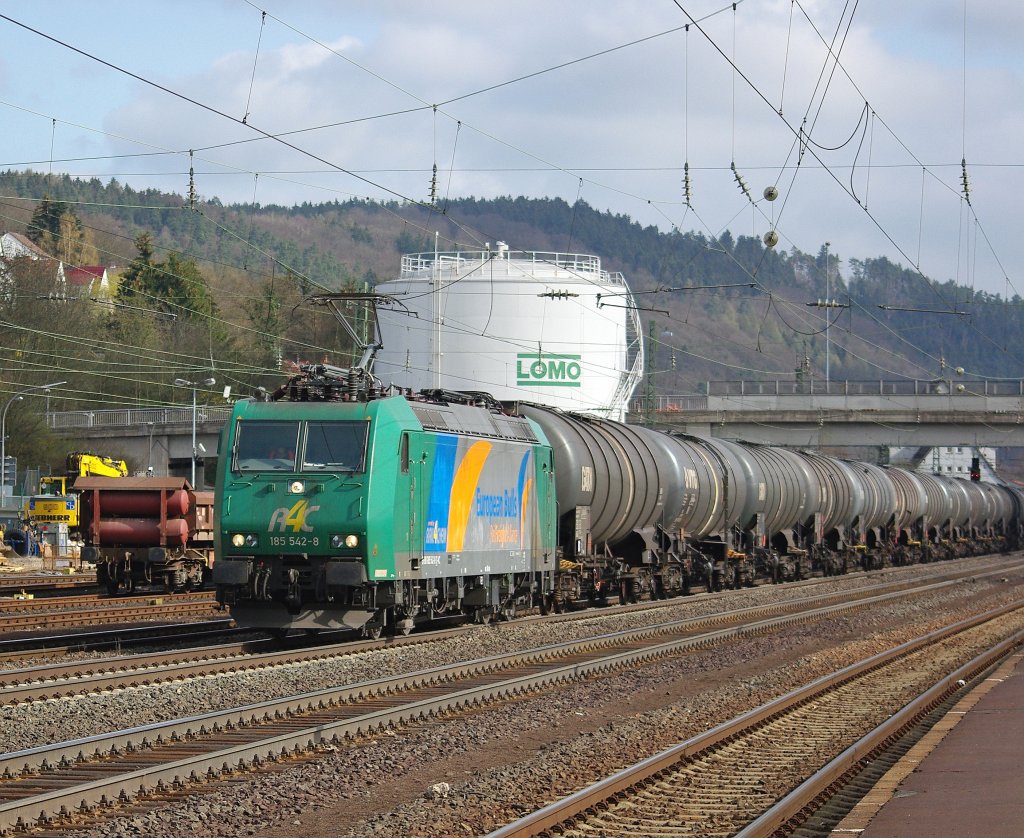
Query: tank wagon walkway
968,780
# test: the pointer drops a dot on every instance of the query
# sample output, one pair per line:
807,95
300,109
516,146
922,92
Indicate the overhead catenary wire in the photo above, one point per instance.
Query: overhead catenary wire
701,18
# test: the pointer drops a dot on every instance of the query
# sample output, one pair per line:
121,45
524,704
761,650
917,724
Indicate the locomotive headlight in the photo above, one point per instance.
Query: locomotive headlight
240,539
237,540
297,487
351,541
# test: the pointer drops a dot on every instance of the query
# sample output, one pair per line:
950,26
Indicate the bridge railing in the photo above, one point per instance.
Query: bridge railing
133,417
669,403
783,394
879,387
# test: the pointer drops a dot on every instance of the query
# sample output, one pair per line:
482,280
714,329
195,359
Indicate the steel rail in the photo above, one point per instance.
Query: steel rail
36,645
56,680
133,613
15,582
40,808
814,787
597,794
89,600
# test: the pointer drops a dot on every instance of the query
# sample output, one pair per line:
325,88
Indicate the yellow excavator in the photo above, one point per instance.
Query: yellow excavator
57,502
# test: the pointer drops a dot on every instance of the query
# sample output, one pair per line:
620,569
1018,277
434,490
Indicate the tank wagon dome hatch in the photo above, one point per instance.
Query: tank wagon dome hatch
551,328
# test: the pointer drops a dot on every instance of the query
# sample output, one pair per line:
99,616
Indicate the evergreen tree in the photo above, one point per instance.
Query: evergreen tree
175,285
58,231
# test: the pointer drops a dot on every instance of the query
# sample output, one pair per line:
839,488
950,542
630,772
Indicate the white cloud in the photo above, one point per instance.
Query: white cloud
625,121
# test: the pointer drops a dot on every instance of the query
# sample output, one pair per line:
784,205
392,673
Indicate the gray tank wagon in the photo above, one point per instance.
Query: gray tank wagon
645,513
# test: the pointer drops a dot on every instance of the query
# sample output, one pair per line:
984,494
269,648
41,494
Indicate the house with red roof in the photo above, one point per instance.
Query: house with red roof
16,246
89,281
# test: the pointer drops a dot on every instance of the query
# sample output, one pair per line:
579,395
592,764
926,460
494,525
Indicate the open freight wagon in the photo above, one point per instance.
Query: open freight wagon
146,532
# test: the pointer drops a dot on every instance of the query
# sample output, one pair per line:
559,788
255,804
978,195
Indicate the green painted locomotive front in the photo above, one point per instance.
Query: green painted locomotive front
331,513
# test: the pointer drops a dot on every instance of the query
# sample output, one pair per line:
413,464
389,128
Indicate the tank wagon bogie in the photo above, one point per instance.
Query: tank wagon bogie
340,510
146,532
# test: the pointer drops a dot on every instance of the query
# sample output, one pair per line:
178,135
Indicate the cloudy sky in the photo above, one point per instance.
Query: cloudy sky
858,113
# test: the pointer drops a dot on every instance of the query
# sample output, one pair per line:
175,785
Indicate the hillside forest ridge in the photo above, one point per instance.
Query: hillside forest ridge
205,289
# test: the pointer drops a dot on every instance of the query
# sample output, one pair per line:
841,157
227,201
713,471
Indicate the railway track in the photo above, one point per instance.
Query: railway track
88,610
762,773
33,645
38,585
83,778
76,677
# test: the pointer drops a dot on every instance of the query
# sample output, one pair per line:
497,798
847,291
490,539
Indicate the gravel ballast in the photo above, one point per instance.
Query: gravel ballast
469,774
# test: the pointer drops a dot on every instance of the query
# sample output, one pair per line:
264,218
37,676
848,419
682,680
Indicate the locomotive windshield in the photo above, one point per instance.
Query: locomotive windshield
335,446
266,446
272,446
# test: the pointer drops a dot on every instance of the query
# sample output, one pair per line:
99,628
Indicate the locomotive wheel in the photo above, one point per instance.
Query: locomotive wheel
371,631
112,586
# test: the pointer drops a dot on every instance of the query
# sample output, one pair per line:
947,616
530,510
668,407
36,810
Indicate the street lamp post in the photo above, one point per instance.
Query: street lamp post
3,446
17,397
149,464
195,385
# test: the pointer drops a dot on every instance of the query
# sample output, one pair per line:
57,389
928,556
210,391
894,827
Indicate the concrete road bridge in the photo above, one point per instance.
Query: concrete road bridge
904,412
160,437
939,412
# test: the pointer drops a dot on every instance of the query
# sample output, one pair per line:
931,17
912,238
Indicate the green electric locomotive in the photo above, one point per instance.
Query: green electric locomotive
380,513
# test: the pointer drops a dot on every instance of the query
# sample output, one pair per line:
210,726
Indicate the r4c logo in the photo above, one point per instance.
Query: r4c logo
295,519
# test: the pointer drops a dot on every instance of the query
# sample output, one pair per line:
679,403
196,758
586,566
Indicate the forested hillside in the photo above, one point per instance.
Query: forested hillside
213,287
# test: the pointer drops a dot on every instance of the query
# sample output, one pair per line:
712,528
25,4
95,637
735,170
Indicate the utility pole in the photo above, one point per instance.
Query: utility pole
827,304
649,377
827,350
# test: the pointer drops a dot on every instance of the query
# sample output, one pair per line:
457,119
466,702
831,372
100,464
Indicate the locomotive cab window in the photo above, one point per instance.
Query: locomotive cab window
266,446
335,446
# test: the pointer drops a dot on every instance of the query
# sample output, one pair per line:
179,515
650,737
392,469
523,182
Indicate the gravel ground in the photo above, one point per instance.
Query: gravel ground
469,774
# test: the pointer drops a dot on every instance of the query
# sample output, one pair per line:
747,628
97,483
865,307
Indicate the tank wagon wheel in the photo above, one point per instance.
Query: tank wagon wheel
112,586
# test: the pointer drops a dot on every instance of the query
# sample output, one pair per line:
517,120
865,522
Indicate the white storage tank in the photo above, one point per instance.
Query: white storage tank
552,328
